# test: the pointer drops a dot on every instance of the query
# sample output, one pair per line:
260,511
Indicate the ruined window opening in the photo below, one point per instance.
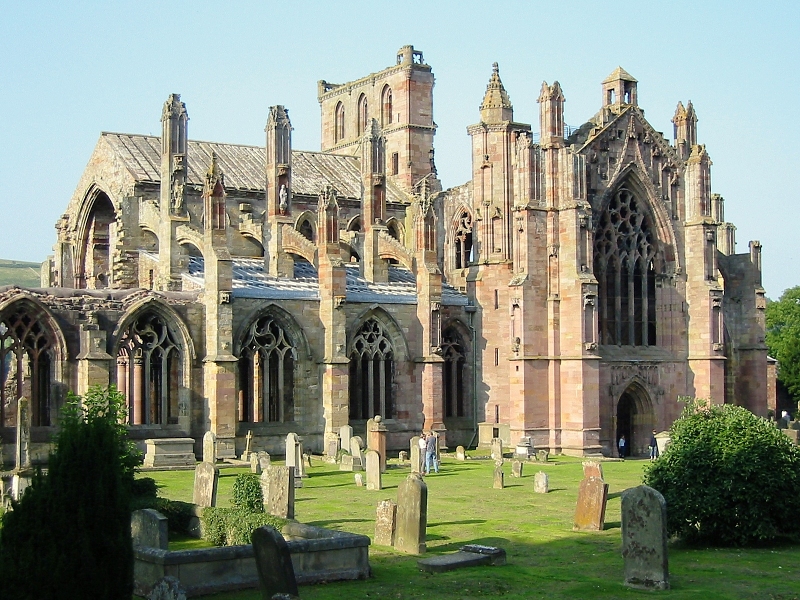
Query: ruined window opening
496,299
453,373
463,241
95,268
386,107
393,230
610,97
395,163
149,371
338,126
355,224
623,263
26,363
371,373
266,374
306,230
362,114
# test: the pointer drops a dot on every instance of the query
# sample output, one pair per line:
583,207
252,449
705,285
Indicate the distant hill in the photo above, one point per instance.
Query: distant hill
17,272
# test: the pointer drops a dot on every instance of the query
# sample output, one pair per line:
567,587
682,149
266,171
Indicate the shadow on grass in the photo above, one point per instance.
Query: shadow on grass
612,525
614,495
465,522
336,521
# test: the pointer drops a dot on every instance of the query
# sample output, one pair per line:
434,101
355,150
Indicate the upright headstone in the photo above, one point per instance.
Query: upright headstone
23,444
412,515
356,451
402,457
497,449
206,478
498,478
516,468
149,529
592,468
461,454
273,562
277,482
644,538
300,467
415,455
209,447
590,511
373,468
542,455
370,427
541,483
359,479
167,588
292,442
255,465
385,523
345,433
263,460
333,446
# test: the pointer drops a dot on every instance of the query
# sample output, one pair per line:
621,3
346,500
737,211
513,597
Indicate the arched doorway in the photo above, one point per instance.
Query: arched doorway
635,419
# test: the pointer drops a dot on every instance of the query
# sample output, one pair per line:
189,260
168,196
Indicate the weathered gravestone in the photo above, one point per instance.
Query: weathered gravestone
497,449
206,478
209,447
516,468
461,454
356,451
644,538
524,448
373,462
412,515
359,478
541,483
255,465
590,511
277,485
402,457
376,439
149,529
263,460
345,433
385,522
498,478
294,458
542,455
274,563
416,461
167,588
592,468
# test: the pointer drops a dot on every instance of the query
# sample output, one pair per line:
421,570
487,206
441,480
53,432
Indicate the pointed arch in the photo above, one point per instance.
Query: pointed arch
32,354
461,234
386,106
635,417
95,228
396,229
306,224
456,379
338,123
363,112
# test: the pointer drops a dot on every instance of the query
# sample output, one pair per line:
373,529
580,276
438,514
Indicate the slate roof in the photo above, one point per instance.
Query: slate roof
243,166
250,281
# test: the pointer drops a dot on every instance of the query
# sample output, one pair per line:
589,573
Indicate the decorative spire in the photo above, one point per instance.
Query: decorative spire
496,105
680,113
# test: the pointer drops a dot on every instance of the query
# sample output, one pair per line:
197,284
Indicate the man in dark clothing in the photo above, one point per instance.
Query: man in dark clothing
430,454
653,446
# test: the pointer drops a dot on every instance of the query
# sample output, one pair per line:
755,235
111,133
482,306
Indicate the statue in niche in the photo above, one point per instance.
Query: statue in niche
283,199
177,196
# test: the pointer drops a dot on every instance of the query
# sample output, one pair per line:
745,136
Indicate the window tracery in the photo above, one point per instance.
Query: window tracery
623,263
454,356
266,373
463,240
371,373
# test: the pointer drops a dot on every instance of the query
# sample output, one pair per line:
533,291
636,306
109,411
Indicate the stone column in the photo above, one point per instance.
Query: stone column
94,363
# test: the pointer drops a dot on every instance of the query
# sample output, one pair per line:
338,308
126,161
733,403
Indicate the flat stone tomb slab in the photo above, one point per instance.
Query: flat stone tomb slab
467,556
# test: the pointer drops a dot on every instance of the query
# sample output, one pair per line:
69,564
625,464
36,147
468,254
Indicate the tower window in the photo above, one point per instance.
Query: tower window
338,125
386,106
362,114
395,163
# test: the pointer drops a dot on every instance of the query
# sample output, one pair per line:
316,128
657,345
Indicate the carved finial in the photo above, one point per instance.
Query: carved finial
496,95
495,69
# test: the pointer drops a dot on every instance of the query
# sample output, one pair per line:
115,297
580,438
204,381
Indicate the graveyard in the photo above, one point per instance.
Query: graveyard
545,556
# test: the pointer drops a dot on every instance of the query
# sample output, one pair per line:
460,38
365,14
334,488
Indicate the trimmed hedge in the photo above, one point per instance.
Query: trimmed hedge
234,526
247,492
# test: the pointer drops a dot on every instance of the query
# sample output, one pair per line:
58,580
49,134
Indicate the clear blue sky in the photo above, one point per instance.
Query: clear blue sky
69,70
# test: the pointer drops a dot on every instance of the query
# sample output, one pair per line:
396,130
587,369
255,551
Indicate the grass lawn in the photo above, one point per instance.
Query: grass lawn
546,559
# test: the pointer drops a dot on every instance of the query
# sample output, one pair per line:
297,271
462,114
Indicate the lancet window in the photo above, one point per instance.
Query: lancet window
266,374
463,240
149,371
453,353
338,125
386,107
623,263
26,362
362,114
371,373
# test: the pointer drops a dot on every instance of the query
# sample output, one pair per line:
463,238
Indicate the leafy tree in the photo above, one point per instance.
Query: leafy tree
783,337
69,535
729,477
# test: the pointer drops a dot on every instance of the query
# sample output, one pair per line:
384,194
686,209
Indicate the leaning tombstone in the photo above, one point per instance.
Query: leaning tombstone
255,465
541,483
209,447
274,563
461,454
167,588
516,468
590,511
412,515
356,447
644,538
592,468
279,499
385,523
498,478
206,478
149,529
373,468
415,455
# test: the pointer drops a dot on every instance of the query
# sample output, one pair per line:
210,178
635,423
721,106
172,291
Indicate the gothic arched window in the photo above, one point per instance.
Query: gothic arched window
463,240
266,374
624,250
338,125
386,106
307,230
26,359
149,371
362,114
371,373
94,270
453,373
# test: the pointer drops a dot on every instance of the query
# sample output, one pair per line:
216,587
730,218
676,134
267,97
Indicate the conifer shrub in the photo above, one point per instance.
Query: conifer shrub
728,477
69,535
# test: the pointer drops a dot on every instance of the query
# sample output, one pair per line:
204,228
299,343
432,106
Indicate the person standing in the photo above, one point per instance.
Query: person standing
422,451
653,446
430,454
622,446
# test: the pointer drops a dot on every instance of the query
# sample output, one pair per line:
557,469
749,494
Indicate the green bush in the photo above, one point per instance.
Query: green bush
247,492
179,514
729,477
69,535
234,526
